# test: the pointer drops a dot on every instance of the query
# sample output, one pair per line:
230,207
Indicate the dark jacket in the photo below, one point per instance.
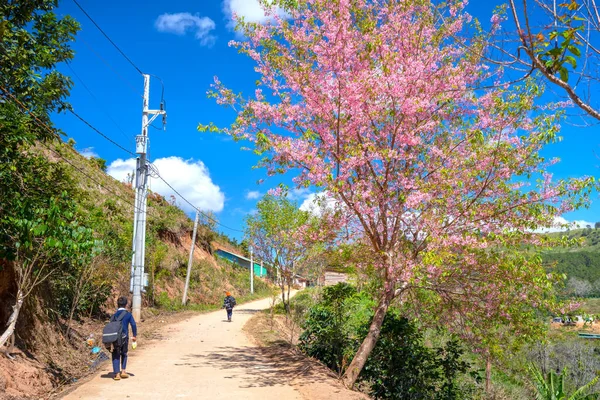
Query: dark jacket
127,321
229,302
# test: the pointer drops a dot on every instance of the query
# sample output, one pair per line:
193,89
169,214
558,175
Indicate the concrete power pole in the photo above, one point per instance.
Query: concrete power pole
191,260
251,272
141,186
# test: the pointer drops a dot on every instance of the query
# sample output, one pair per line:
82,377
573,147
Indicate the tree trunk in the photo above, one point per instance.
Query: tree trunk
488,374
83,279
368,344
12,320
283,297
74,304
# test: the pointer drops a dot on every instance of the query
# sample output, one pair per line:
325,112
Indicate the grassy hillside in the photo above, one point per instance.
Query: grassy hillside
107,206
75,300
580,264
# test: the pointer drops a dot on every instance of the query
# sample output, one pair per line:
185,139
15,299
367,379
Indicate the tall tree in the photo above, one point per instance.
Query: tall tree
38,228
33,41
373,102
274,233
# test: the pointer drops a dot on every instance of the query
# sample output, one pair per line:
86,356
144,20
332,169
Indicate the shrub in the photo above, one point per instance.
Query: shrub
325,336
401,366
552,386
99,163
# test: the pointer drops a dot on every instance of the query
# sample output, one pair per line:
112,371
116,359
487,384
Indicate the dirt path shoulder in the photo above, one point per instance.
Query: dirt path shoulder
288,366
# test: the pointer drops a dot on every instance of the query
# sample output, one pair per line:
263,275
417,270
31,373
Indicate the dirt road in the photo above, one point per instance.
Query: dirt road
204,357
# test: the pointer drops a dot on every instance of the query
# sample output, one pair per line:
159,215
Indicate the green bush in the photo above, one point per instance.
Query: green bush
300,303
163,301
99,163
401,366
325,336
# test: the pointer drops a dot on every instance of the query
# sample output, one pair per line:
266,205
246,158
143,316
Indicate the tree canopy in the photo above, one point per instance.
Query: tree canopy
374,103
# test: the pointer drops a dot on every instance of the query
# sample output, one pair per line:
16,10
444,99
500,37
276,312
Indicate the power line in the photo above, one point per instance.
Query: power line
162,91
43,125
97,182
89,46
124,149
100,133
163,103
156,172
81,171
196,208
98,102
108,38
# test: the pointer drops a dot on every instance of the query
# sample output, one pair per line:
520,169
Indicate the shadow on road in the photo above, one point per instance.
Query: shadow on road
110,375
243,312
246,311
264,366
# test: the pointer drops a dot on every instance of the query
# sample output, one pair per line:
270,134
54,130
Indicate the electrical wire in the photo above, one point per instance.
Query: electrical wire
89,46
196,208
100,133
98,102
108,38
155,173
24,111
163,103
129,152
162,92
91,178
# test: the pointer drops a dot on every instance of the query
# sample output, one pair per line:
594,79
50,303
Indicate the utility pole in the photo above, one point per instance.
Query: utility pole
251,272
136,209
190,261
141,185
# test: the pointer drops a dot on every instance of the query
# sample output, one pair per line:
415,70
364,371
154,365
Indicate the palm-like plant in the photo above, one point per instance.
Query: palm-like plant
552,386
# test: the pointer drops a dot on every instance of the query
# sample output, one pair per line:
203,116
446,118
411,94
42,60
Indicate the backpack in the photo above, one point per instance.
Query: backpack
229,302
113,331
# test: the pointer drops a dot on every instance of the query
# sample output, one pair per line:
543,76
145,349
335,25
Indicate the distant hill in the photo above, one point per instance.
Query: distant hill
581,264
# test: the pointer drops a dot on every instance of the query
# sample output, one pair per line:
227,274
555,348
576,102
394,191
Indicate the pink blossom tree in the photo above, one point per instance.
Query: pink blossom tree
275,233
374,102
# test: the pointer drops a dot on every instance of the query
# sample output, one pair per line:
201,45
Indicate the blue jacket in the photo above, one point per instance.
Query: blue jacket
229,302
127,320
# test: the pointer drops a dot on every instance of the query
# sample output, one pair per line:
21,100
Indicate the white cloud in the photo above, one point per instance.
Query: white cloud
559,223
251,10
88,152
119,169
253,195
182,23
190,178
299,193
316,203
309,203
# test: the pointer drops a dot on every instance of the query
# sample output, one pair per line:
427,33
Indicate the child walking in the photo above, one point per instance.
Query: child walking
228,304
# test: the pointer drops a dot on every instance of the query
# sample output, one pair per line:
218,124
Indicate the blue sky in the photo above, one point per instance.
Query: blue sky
185,43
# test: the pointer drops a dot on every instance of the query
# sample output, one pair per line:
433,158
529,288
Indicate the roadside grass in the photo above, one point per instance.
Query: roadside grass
591,306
